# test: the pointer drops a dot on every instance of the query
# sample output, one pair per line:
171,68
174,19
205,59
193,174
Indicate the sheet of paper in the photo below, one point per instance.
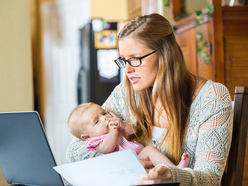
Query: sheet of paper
121,168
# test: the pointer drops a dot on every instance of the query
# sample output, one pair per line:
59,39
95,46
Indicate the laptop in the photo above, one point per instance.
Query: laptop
25,155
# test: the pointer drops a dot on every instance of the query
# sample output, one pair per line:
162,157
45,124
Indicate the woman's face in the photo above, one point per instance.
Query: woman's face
143,76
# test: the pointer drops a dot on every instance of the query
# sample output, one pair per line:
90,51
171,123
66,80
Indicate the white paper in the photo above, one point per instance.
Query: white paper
121,168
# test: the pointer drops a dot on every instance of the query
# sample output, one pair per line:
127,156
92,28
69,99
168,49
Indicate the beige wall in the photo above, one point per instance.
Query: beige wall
16,89
167,14
109,10
192,5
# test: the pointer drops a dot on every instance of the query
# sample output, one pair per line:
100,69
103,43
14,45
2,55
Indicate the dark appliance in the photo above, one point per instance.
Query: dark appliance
98,74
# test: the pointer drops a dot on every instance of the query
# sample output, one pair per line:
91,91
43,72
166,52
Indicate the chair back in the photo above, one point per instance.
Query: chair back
233,175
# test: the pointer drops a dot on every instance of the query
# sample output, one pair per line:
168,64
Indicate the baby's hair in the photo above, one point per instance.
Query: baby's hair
75,119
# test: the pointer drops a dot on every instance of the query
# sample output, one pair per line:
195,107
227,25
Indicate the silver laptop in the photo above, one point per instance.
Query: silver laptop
25,154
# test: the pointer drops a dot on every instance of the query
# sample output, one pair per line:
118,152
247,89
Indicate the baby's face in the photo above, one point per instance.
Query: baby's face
95,121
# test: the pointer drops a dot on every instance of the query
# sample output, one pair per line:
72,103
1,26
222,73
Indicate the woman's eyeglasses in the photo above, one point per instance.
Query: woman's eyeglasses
133,61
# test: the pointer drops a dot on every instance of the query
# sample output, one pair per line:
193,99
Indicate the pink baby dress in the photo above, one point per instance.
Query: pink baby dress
122,143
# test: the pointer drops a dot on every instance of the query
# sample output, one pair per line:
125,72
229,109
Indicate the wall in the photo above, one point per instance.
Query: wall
109,10
16,86
191,6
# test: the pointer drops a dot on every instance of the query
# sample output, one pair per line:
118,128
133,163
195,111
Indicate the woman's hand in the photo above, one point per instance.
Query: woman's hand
147,164
159,174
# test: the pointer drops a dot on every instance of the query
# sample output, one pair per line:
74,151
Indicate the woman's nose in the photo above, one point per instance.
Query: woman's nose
128,68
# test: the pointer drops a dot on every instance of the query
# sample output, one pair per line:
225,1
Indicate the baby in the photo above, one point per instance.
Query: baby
106,133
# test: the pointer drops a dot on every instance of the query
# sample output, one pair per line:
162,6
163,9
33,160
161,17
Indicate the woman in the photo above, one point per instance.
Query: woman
172,109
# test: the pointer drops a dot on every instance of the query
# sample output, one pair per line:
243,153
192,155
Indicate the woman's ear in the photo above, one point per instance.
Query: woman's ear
85,136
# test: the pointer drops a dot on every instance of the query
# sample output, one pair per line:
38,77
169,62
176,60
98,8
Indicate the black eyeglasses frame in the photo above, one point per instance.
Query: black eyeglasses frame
127,60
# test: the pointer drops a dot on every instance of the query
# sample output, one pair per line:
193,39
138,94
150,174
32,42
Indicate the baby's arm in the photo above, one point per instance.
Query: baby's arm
120,124
156,157
109,143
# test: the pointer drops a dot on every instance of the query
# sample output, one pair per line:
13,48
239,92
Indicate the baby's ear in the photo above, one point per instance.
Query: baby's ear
85,136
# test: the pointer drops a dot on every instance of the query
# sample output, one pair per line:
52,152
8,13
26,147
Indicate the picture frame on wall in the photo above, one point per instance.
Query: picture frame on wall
106,39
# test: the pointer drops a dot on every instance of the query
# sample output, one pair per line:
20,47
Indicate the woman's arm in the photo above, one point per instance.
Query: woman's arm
212,125
116,103
78,151
211,153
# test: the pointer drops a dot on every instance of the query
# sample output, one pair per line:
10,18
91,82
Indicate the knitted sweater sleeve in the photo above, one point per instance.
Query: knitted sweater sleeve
116,103
77,151
208,139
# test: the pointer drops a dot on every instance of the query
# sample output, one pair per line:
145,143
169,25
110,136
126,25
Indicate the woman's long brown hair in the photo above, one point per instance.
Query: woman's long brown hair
174,85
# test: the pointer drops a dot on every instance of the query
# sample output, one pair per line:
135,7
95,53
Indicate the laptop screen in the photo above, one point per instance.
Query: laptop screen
25,155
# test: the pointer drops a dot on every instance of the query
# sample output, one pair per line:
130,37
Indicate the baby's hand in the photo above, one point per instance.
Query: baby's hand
112,125
116,121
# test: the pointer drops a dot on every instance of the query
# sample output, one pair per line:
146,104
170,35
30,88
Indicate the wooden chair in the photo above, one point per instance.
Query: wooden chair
233,174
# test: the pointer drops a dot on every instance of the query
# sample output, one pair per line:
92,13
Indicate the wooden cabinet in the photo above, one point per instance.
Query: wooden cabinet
194,62
227,38
235,46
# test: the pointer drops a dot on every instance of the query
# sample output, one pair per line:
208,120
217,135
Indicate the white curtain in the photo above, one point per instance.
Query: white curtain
61,21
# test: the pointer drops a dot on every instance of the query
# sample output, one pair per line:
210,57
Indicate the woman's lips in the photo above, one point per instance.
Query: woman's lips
134,79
